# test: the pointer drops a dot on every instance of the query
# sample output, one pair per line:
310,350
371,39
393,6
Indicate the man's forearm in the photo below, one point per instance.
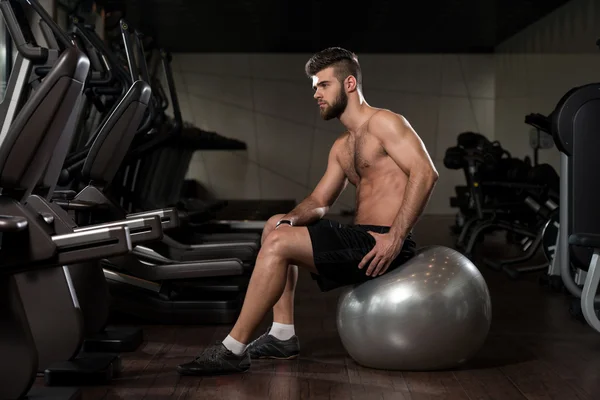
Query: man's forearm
418,191
308,211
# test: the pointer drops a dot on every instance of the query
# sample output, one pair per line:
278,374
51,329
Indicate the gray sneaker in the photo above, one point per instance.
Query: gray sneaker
216,360
268,346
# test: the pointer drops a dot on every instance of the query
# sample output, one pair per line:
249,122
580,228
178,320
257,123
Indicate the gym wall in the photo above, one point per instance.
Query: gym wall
266,101
536,67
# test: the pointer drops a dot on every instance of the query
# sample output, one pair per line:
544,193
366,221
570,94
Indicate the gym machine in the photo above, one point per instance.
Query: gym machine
30,253
575,127
543,202
33,142
144,270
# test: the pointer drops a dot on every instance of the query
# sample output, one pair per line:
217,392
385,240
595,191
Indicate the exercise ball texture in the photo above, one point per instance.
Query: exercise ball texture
433,312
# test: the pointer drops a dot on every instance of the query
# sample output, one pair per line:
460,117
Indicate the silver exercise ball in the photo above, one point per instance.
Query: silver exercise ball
433,312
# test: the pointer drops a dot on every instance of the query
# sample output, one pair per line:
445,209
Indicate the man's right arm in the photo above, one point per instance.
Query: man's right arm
329,188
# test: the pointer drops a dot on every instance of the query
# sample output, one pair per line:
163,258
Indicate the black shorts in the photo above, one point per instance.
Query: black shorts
339,248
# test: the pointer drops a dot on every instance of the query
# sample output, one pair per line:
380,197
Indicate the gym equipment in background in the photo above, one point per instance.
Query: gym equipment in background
41,325
147,283
502,192
575,124
545,204
505,194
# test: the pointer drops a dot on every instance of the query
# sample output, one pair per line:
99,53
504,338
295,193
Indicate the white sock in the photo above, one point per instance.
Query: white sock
234,346
282,331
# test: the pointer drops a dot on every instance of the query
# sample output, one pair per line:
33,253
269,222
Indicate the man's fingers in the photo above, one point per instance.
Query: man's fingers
373,265
377,267
385,267
366,259
369,263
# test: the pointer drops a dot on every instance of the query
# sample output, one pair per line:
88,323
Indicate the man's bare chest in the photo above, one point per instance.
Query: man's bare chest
361,153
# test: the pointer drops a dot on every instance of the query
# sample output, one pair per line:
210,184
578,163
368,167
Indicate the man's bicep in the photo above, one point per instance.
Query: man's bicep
333,182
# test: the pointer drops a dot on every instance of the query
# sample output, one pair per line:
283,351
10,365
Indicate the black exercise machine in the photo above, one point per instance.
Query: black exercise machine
575,127
150,269
51,114
30,253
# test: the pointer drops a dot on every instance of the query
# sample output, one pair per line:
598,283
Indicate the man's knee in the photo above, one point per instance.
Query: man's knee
270,226
278,242
290,244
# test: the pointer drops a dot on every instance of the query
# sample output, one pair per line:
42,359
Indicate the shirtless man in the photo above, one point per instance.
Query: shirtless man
394,176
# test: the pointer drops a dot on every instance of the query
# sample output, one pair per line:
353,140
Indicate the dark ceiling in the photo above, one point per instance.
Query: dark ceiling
381,26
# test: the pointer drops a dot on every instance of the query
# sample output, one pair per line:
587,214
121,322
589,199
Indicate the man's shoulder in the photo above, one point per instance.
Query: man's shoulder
385,116
385,122
341,139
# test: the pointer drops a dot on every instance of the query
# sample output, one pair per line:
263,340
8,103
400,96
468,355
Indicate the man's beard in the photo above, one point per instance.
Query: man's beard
337,108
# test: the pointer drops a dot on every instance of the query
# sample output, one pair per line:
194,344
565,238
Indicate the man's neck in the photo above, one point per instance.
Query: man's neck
355,116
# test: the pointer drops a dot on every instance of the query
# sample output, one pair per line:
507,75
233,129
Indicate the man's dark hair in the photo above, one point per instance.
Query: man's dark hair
344,62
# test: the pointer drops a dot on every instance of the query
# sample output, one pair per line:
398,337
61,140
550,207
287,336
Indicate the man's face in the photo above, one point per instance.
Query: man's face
330,94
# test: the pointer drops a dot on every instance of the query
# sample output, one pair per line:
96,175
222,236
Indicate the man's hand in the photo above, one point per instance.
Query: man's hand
386,249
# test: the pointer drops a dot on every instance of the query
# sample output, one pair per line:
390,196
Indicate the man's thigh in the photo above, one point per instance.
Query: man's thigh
325,248
294,243
338,250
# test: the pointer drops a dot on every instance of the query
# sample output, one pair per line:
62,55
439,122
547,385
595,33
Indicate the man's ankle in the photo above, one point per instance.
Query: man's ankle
282,331
237,348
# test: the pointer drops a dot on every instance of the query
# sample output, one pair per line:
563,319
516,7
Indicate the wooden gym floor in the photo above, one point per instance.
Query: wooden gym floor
535,350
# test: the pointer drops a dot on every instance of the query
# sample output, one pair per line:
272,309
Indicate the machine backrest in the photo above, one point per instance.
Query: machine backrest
114,139
31,140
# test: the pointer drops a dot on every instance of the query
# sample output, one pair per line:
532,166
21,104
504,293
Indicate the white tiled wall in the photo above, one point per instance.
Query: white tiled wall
266,101
537,66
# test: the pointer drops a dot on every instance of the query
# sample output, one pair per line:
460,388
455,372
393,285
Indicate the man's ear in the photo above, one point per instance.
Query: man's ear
350,83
